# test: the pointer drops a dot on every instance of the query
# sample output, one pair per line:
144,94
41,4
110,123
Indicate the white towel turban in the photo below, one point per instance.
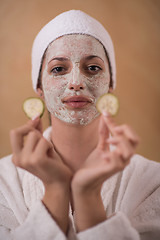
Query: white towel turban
70,22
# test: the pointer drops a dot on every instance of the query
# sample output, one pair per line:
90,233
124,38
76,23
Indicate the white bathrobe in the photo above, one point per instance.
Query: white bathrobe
131,196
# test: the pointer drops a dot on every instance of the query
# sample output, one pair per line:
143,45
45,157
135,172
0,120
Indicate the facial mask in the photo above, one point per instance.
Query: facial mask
75,81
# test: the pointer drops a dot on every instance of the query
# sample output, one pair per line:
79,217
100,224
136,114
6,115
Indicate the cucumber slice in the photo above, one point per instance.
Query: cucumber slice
33,106
108,102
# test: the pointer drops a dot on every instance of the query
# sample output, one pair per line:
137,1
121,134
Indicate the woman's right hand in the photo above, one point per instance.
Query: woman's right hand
39,157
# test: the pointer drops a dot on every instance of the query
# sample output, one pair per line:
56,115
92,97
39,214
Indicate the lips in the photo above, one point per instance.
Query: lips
77,101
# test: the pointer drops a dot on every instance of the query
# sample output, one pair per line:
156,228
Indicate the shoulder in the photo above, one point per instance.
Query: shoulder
139,181
144,161
142,172
9,174
6,164
141,199
143,168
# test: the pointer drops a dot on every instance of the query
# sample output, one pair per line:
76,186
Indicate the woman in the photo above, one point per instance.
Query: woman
70,183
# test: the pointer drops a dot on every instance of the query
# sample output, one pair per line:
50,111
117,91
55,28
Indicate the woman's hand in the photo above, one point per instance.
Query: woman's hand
38,156
99,166
103,163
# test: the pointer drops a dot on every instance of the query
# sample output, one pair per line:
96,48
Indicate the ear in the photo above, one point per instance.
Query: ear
110,90
40,93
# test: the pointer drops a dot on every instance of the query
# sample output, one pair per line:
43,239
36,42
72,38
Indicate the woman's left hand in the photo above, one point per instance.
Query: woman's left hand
103,163
98,167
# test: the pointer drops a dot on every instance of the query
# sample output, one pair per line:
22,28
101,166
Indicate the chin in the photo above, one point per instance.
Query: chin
73,121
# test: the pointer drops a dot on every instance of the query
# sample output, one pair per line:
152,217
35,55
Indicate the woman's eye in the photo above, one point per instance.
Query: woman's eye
94,68
57,70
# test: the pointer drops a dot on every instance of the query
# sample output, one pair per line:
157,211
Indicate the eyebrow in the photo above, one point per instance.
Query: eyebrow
66,59
59,59
93,56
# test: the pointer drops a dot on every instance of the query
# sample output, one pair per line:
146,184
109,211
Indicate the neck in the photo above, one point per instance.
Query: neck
74,142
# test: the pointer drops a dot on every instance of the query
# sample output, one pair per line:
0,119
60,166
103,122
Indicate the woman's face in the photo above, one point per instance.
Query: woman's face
75,73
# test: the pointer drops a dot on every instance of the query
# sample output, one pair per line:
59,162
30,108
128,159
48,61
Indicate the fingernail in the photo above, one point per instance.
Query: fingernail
105,113
37,116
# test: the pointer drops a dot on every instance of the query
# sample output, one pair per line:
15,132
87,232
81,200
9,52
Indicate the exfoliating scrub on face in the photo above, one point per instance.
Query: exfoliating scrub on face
75,74
33,107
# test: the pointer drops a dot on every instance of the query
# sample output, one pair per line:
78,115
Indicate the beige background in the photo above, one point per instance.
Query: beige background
135,29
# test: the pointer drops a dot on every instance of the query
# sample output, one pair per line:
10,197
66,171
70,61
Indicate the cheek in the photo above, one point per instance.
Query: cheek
99,85
51,83
53,86
53,91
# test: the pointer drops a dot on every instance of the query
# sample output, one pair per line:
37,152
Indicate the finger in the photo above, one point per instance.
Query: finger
34,122
124,147
31,141
39,126
111,124
17,135
120,160
37,123
103,134
128,132
43,147
114,162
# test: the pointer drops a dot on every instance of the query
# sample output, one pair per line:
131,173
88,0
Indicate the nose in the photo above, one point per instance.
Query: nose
76,82
76,87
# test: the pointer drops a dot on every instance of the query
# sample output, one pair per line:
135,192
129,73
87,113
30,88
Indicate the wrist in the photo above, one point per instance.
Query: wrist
90,190
87,197
89,210
56,200
57,194
57,187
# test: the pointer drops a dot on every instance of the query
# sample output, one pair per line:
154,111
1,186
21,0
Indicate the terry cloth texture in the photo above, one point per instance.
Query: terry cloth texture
70,22
131,199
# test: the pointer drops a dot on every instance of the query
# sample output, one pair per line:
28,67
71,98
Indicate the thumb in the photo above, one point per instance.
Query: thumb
36,123
103,134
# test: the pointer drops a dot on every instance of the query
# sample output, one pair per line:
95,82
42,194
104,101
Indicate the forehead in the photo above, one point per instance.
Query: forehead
76,45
